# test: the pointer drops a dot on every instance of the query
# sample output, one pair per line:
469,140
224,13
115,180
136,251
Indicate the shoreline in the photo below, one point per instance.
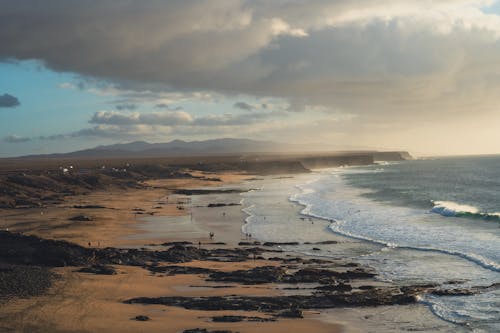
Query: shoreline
26,313
74,283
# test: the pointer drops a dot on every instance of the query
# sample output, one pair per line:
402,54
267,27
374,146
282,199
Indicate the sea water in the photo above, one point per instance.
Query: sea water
420,221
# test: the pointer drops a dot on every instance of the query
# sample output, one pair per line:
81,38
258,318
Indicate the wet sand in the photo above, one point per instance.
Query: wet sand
82,302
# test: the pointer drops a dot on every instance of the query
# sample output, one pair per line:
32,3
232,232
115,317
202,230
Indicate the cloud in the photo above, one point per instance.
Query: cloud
167,118
156,125
392,61
237,119
13,138
179,118
168,107
106,131
126,106
244,106
8,101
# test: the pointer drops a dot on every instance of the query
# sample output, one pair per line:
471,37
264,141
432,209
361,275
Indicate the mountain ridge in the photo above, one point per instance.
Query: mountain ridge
212,147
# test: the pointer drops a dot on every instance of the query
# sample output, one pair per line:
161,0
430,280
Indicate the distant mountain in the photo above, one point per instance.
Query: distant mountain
226,146
178,148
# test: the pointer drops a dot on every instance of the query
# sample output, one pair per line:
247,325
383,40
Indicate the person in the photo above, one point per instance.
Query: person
211,235
199,245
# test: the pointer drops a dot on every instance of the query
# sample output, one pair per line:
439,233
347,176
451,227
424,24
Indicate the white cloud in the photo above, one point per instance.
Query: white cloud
167,118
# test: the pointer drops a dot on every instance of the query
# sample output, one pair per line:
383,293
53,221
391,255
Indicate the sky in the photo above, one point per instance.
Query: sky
422,76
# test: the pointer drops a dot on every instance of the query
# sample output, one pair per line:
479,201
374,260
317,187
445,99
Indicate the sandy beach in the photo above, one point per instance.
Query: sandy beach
162,213
81,302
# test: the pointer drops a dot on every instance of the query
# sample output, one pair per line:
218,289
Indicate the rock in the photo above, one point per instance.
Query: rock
99,269
88,206
316,249
174,270
453,292
17,248
203,330
292,313
379,296
335,287
177,243
81,218
235,319
257,275
211,205
228,319
206,191
269,244
274,274
141,318
255,243
18,281
366,287
180,253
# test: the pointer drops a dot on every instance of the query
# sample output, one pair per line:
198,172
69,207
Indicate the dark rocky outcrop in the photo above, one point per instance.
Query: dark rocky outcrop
206,191
89,207
212,205
257,275
203,330
177,243
271,304
235,319
278,274
31,250
174,270
98,269
82,218
22,249
254,243
292,313
269,244
23,281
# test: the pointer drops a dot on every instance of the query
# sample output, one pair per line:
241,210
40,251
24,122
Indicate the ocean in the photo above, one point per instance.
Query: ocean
420,221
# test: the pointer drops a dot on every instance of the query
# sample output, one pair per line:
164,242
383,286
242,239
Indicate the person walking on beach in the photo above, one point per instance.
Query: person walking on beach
211,234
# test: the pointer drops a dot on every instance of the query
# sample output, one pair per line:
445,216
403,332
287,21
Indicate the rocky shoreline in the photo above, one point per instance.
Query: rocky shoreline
25,263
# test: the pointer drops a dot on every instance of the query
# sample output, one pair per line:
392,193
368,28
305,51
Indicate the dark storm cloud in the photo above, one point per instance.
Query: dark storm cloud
380,59
168,107
8,101
244,106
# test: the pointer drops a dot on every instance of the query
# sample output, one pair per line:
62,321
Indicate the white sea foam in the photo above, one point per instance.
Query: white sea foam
450,208
357,217
399,229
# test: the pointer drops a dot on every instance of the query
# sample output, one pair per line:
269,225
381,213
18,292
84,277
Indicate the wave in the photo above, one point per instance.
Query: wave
336,227
477,259
453,209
